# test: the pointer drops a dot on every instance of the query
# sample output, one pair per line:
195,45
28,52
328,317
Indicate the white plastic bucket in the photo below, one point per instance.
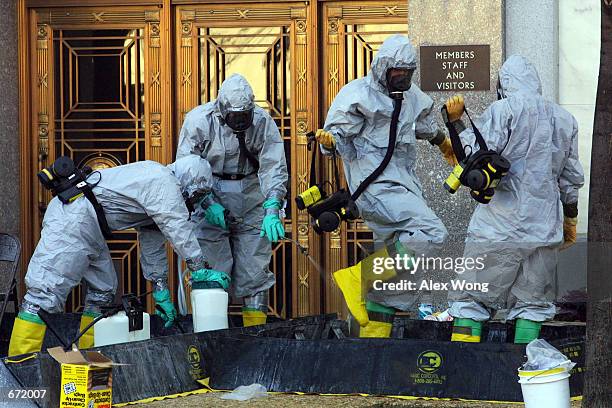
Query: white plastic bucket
209,309
545,388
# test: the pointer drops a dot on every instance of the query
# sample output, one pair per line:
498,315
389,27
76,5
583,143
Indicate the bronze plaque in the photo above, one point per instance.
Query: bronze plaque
455,68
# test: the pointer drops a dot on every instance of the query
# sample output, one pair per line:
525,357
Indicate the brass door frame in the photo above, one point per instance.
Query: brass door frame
37,113
306,289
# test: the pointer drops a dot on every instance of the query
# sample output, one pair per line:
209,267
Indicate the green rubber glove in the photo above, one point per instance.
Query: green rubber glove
211,275
215,215
272,226
163,300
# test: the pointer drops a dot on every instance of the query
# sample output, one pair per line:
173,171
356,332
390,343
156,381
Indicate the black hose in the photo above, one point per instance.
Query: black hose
94,321
397,107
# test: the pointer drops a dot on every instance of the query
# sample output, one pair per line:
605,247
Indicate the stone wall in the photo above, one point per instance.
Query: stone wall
9,117
457,22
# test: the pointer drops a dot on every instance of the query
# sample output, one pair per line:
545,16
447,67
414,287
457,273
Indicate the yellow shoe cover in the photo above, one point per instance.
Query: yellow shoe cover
383,273
376,329
87,340
465,338
252,317
28,334
349,282
466,330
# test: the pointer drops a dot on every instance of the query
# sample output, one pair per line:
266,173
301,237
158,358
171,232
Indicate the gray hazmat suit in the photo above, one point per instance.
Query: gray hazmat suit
518,233
138,195
239,251
359,119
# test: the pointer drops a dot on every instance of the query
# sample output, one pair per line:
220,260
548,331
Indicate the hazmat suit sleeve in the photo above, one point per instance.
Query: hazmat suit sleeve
190,139
572,175
344,122
426,127
153,257
166,207
272,172
494,125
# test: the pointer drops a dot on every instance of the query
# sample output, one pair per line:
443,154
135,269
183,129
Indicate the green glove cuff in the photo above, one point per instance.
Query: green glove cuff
211,275
161,296
272,203
207,201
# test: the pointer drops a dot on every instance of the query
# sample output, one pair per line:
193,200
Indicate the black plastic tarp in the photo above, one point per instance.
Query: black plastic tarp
315,355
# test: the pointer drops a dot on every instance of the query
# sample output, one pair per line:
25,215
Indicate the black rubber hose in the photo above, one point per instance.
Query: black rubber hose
397,108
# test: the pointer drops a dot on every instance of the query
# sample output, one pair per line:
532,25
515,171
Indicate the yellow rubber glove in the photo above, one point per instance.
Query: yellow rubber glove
454,107
325,138
447,150
569,232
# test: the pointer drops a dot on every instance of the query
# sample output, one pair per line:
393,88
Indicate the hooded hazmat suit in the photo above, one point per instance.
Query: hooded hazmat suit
138,195
359,119
238,186
519,232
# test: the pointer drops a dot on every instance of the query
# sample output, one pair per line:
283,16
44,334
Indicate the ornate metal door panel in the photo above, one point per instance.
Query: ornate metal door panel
268,44
99,98
353,32
100,93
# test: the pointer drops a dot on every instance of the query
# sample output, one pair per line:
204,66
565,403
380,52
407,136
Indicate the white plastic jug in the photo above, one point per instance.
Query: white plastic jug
209,309
116,329
545,388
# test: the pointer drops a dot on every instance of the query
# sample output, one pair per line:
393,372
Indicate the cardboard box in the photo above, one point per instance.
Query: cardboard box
86,380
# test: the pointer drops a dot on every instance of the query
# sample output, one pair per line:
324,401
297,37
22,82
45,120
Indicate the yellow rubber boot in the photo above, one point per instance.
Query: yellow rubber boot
87,340
253,317
351,281
376,329
466,330
380,321
28,334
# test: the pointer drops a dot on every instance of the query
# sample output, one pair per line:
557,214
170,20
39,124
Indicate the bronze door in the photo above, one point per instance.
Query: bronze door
99,93
110,85
268,44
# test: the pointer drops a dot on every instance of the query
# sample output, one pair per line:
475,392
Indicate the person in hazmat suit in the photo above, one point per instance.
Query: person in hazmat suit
241,217
533,210
392,206
144,195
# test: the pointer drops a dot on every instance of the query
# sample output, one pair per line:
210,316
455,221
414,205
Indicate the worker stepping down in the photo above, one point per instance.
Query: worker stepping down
359,127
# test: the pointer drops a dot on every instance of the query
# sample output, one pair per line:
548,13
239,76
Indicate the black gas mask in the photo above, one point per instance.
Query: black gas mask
239,121
191,201
400,80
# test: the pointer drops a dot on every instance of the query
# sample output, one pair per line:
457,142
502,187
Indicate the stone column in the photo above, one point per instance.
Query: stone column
9,117
532,30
